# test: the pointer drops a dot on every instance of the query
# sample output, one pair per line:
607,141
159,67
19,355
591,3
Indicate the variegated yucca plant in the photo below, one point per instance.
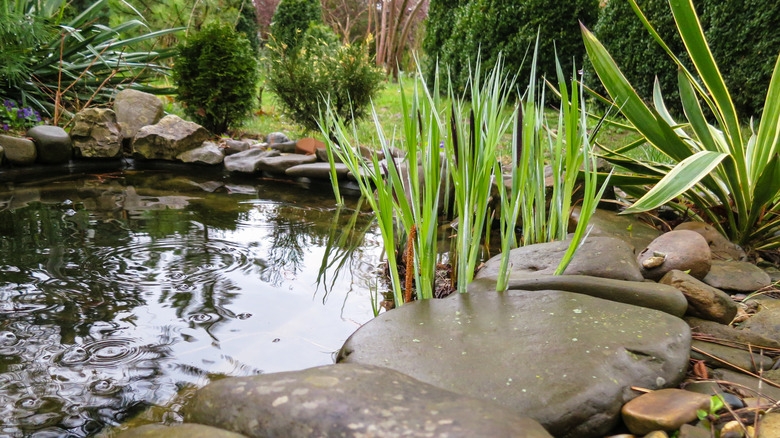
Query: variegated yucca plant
733,181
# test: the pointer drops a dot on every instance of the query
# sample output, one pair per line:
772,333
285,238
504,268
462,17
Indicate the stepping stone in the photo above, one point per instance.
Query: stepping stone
349,400
317,170
601,256
52,142
18,151
247,161
567,360
185,430
623,226
704,301
737,276
644,294
279,164
682,250
666,409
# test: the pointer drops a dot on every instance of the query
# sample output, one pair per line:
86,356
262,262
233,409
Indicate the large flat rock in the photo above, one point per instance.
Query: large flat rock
567,360
623,226
604,256
350,400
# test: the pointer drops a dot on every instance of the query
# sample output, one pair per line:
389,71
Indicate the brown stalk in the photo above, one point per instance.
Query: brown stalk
410,264
698,350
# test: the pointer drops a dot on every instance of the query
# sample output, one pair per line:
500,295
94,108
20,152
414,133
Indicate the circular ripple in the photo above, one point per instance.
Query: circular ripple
104,387
117,351
180,263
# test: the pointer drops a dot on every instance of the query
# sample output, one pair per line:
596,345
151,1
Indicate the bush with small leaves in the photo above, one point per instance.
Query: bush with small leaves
292,20
216,75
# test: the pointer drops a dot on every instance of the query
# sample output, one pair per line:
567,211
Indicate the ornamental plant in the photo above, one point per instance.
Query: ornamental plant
216,75
726,180
15,118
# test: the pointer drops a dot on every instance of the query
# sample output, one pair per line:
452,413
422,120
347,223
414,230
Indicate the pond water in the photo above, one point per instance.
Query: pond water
118,290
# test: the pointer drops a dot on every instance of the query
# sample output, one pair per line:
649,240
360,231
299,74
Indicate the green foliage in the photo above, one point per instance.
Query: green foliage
345,75
247,24
96,59
732,183
458,31
216,75
14,118
744,51
292,20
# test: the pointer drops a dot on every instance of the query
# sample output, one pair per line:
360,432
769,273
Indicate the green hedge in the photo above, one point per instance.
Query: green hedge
742,36
458,30
292,19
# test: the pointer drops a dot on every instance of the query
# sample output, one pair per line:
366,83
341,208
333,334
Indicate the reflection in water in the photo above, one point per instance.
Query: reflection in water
118,290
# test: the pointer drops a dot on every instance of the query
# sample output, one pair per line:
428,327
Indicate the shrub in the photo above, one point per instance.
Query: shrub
742,51
292,19
456,37
303,79
216,75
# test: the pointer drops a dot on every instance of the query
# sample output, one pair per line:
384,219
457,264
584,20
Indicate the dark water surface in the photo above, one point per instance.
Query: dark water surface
117,290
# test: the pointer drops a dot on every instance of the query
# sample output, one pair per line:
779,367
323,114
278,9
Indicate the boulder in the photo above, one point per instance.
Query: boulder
644,294
96,134
210,153
52,143
278,164
317,170
600,256
186,430
704,301
567,360
308,146
135,109
276,138
623,226
248,161
721,248
167,139
737,276
666,409
18,151
349,400
682,250
721,356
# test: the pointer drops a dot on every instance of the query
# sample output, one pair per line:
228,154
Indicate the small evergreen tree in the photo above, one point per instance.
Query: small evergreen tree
292,19
216,76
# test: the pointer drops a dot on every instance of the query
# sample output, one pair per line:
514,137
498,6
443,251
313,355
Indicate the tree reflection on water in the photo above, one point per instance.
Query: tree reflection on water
117,290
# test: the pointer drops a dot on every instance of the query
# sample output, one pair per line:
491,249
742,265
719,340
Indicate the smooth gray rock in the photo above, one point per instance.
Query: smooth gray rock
349,400
683,250
18,151
186,430
52,142
600,256
318,170
734,356
96,134
248,161
638,293
728,333
751,384
322,155
2,154
278,164
235,146
704,301
287,147
667,409
210,153
167,139
721,248
623,226
765,322
567,360
135,109
277,137
737,276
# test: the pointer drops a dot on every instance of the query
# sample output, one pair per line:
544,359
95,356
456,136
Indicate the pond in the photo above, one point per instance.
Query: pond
118,290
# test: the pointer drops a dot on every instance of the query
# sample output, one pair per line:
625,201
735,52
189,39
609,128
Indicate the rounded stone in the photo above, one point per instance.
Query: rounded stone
277,137
737,276
18,151
52,143
721,247
683,250
667,409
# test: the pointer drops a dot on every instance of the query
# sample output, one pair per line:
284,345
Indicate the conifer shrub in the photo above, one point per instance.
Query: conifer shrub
216,75
292,20
322,69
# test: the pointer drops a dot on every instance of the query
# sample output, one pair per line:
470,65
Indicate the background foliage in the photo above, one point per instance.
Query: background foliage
216,74
458,30
292,20
742,38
